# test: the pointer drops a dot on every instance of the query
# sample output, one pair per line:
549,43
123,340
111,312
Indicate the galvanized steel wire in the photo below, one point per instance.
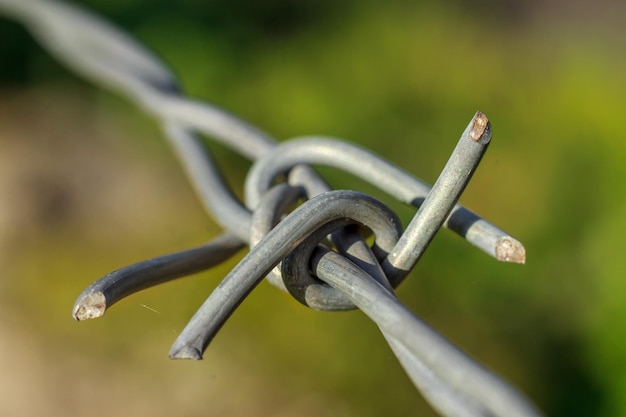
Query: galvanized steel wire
316,251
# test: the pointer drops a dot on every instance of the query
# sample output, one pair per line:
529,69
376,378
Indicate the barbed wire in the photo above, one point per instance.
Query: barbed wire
318,251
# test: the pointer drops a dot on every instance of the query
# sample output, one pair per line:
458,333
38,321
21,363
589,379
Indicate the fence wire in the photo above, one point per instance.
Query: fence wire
317,251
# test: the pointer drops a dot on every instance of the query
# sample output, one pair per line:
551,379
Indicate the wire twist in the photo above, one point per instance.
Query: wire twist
318,251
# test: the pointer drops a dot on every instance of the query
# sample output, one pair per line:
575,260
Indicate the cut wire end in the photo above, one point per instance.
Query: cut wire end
89,306
480,130
509,249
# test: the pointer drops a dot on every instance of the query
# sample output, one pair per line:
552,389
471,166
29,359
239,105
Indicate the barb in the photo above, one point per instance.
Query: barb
323,258
443,196
121,283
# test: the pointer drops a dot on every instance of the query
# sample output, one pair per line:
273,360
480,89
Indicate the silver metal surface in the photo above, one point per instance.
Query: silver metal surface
319,248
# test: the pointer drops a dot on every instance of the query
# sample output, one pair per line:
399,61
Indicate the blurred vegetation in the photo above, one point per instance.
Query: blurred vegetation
88,185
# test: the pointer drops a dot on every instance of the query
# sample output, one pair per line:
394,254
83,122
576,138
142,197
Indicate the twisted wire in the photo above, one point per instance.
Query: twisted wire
317,252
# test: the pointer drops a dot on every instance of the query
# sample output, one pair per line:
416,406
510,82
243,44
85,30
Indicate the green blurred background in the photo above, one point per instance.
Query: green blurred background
87,185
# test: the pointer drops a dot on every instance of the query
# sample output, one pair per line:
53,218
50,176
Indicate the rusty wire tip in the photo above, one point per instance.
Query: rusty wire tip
509,249
89,306
480,130
186,352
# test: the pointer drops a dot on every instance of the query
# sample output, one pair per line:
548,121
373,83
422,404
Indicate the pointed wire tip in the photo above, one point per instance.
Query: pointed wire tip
509,249
186,352
480,131
89,306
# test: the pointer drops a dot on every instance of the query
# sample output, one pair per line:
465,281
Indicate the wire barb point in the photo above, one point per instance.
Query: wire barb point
481,127
186,352
89,306
509,249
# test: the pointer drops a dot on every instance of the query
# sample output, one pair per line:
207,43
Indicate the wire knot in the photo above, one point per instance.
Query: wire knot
336,215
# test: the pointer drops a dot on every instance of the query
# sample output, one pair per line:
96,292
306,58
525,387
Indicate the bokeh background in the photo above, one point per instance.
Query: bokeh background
87,185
